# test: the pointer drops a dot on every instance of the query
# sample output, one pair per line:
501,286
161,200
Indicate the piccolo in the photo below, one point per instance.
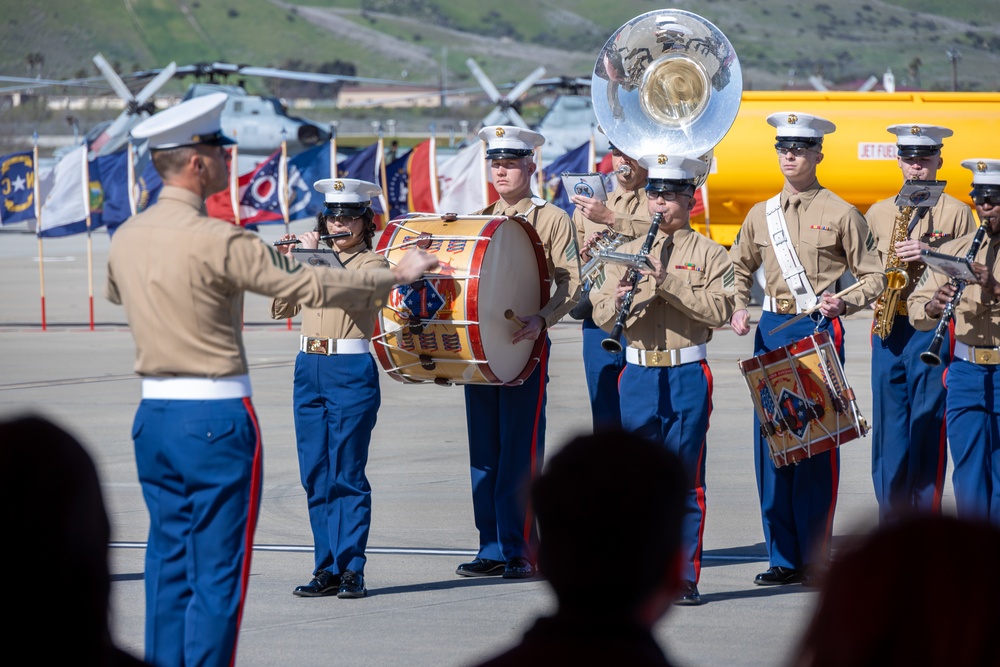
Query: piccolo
324,237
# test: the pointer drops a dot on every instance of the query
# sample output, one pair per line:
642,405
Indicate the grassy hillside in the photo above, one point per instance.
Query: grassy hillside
778,40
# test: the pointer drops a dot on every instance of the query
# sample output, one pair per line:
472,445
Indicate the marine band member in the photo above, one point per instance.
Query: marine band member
507,423
818,236
337,397
181,277
666,386
624,213
908,396
972,412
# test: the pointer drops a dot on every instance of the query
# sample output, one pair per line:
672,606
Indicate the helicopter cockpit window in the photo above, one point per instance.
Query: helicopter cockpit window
238,107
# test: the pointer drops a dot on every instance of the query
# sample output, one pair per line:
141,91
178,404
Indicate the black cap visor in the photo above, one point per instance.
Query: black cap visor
346,209
654,185
797,142
508,153
909,150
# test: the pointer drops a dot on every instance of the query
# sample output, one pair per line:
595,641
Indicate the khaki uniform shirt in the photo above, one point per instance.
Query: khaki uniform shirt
561,255
695,297
339,323
945,221
977,317
181,277
829,236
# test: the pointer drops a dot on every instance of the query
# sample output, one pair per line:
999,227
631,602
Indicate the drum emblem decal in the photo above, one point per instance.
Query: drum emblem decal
424,303
793,412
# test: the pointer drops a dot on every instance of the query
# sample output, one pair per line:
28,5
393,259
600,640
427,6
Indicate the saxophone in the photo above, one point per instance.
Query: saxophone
897,278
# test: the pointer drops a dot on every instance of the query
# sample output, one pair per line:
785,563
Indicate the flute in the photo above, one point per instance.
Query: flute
324,237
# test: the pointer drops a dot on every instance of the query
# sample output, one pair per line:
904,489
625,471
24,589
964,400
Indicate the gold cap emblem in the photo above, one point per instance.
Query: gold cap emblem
661,159
338,185
981,166
915,131
792,119
500,132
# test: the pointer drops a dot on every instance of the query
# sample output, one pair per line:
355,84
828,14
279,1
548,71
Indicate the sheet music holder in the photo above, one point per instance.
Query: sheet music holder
587,185
317,257
957,268
923,194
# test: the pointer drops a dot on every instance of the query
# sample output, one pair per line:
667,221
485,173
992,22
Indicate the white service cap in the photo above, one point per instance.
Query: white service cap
196,121
509,141
347,195
918,139
672,172
793,126
985,175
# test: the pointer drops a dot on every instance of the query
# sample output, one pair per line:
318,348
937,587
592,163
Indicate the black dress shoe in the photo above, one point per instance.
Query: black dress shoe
352,585
518,567
324,583
481,567
779,576
689,595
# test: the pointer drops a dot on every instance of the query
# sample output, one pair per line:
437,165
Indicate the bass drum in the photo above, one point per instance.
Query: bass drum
449,327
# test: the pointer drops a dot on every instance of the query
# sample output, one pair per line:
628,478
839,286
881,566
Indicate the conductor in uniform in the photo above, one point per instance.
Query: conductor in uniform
805,237
180,276
337,397
666,387
909,453
506,424
973,401
623,213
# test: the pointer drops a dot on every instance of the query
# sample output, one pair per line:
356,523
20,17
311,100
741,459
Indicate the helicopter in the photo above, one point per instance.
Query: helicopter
259,123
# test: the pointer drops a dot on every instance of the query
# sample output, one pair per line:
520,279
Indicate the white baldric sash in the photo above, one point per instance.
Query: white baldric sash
788,261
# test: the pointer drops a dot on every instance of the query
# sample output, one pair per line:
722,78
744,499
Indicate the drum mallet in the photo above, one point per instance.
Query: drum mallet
509,314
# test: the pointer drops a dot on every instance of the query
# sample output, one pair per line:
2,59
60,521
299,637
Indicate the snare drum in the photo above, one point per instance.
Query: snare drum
802,399
449,328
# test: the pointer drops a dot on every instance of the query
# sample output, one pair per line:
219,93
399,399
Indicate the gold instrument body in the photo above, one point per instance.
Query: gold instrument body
897,276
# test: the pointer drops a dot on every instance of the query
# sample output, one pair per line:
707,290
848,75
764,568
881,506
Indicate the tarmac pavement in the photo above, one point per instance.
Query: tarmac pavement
418,612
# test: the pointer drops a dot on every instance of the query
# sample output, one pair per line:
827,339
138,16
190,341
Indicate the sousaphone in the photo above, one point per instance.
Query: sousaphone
667,81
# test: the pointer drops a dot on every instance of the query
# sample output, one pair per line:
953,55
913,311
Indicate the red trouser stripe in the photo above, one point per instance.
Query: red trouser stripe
252,511
543,367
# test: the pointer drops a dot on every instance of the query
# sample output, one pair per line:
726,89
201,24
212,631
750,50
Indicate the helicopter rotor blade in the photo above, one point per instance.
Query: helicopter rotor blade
114,80
484,81
158,81
526,83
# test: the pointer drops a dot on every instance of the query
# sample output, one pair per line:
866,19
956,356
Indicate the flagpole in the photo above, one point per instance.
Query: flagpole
283,181
283,194
234,184
384,182
38,226
132,203
485,174
333,152
435,194
592,153
90,241
539,180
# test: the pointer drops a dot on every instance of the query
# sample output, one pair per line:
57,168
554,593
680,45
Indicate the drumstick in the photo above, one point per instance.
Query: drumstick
810,311
509,314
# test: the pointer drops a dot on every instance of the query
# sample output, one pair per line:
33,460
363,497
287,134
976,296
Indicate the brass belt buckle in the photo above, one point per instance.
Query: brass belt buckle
318,345
986,355
654,358
785,306
901,309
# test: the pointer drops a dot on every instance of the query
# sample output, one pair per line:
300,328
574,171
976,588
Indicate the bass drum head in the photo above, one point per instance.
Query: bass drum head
510,278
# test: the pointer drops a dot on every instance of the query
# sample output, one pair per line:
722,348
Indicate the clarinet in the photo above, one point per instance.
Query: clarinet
932,355
611,343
